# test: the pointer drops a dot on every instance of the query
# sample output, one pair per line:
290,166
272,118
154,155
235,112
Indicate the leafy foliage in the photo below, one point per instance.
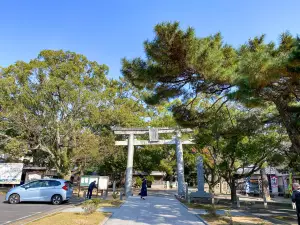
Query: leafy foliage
182,66
138,182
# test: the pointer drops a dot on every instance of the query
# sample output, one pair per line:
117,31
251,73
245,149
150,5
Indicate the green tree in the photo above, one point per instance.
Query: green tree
46,101
181,65
235,144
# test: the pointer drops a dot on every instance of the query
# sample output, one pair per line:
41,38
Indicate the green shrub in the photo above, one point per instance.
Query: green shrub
96,201
115,195
90,206
211,210
138,182
150,179
229,215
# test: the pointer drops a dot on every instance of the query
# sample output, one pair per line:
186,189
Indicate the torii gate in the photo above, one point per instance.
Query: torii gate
153,140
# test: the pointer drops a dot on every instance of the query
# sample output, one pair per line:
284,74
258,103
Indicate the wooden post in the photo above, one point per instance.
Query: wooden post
79,190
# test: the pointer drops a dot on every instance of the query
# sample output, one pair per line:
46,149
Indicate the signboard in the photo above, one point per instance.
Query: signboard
153,135
274,184
10,173
101,181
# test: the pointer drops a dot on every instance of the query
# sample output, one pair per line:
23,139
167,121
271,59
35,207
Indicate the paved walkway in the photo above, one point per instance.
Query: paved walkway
153,211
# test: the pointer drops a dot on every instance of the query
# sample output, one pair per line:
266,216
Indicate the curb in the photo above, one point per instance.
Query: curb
43,214
199,217
41,217
111,214
106,219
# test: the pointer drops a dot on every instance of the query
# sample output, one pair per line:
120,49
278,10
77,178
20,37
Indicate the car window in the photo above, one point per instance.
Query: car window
34,184
45,183
54,183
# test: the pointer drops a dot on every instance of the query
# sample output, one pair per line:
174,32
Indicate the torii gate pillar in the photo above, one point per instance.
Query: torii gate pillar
129,167
131,142
180,165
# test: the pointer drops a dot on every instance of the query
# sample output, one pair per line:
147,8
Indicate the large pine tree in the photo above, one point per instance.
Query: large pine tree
180,65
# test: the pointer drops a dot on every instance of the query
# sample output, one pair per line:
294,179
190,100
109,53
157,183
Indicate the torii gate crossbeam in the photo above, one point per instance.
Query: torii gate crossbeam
131,142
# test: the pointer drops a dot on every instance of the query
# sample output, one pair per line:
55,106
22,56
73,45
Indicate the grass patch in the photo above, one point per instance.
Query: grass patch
107,203
110,203
237,220
285,218
203,206
71,219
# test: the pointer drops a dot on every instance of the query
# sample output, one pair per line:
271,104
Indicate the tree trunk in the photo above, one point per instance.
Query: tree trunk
264,184
212,192
233,193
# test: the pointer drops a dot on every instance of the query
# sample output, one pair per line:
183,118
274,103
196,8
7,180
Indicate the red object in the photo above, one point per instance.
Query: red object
65,187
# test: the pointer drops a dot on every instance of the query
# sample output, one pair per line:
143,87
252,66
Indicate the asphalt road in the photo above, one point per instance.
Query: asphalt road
11,213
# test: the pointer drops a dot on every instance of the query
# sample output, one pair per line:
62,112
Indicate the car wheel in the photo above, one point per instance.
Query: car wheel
14,199
56,200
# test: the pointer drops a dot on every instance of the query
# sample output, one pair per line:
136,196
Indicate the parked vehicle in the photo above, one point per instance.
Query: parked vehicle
55,191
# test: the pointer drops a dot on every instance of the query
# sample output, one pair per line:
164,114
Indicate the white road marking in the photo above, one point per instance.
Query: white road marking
22,218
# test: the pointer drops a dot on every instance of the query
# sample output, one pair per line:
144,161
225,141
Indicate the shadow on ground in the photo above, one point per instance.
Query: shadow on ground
154,210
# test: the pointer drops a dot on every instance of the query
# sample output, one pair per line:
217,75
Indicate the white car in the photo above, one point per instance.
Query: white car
55,191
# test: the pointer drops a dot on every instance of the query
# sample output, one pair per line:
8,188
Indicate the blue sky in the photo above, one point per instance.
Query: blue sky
106,31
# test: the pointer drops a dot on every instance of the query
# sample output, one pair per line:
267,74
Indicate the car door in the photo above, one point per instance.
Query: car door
31,191
51,188
46,191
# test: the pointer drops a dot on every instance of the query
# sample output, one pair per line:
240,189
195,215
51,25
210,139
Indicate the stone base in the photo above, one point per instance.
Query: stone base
200,194
201,197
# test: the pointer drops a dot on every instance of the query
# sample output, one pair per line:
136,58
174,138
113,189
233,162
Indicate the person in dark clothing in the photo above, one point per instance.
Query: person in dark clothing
90,189
296,200
144,189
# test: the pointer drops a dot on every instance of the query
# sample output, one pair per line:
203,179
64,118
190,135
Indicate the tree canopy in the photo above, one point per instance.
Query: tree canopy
181,65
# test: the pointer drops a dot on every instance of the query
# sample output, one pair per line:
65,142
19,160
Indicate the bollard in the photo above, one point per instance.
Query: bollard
238,204
265,202
186,191
106,194
114,186
168,185
121,196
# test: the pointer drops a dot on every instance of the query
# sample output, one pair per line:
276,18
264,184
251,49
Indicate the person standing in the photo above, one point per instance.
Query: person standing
296,199
144,189
90,189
